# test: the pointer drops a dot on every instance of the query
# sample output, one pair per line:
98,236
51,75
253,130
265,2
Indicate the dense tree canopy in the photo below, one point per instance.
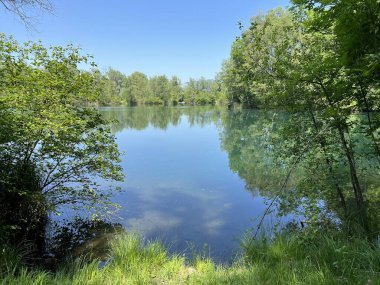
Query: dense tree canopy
297,60
137,88
51,145
356,26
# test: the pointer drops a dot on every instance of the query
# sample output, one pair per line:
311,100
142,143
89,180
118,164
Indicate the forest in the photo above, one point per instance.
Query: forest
310,71
118,89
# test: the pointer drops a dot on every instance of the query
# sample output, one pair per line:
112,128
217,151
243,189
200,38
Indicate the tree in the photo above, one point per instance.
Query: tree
47,130
159,89
355,26
237,78
176,91
137,87
301,71
113,90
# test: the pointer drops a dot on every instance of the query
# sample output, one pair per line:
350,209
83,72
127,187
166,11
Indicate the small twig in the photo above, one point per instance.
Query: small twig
20,9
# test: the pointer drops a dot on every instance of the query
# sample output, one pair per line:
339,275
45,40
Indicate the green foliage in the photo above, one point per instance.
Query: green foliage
137,89
200,92
355,24
47,125
284,60
24,208
234,77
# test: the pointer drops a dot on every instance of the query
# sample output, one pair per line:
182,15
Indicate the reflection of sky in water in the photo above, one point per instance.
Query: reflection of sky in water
179,189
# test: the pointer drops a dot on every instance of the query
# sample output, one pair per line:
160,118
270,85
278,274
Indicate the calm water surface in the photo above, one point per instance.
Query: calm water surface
190,173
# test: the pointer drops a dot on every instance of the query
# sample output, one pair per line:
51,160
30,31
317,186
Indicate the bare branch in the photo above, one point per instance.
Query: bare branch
21,8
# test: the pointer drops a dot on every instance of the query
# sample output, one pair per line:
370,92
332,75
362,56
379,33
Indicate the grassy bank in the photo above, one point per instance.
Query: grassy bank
286,260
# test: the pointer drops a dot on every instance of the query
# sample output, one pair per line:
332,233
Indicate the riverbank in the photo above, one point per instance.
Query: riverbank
288,259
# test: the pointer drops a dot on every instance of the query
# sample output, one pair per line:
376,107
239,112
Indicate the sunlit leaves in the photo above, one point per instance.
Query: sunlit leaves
46,120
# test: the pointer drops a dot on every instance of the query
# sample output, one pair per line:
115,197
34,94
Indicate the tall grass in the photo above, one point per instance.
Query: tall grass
287,259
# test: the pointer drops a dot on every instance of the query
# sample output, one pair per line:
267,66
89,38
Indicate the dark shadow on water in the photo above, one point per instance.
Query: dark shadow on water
78,237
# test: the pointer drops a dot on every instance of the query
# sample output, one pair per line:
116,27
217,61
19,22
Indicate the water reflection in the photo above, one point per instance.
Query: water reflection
243,134
247,138
186,176
258,146
203,175
159,117
79,237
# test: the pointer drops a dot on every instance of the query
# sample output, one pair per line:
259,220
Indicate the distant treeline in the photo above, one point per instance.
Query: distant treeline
138,89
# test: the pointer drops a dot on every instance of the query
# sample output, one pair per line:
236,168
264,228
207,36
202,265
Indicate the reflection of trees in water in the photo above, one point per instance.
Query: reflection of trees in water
260,150
260,147
82,237
139,118
245,136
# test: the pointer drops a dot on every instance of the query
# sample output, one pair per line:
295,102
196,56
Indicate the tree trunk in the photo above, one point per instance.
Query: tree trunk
330,166
354,177
370,126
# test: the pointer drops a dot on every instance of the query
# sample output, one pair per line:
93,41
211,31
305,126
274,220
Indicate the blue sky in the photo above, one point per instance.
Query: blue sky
183,38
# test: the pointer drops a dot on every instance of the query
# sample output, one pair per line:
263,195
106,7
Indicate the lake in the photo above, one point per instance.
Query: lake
192,176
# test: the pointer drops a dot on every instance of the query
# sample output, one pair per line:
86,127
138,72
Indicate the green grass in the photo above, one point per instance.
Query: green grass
285,260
